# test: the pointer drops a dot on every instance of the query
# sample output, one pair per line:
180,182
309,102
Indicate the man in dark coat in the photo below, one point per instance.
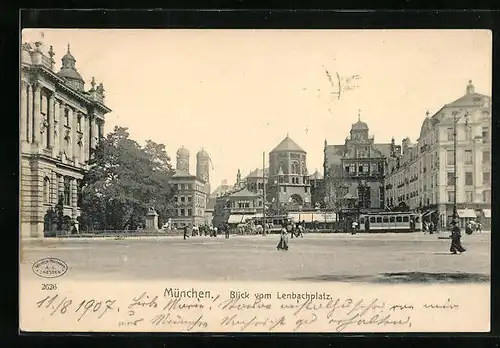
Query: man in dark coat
226,228
456,245
186,232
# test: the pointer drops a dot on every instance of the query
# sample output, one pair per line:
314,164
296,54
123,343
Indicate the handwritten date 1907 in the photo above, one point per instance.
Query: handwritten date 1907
62,306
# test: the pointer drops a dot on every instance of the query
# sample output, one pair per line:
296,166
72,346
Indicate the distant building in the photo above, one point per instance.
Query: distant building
61,123
203,164
242,205
190,200
422,176
354,172
317,190
288,183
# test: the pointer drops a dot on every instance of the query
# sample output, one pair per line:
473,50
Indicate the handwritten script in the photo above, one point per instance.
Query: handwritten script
191,310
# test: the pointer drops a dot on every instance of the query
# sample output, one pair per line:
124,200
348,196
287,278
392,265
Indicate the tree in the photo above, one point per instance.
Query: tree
124,181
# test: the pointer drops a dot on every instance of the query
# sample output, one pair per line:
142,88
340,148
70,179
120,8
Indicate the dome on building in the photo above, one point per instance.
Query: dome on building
68,69
202,154
183,152
360,125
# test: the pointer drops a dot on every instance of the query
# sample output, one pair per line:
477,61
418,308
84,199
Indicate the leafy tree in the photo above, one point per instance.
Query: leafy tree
124,180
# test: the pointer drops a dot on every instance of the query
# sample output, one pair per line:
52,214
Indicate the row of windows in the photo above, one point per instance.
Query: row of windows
469,196
468,135
189,187
364,168
450,157
66,193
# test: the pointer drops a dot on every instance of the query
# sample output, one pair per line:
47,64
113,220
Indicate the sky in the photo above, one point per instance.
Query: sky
238,93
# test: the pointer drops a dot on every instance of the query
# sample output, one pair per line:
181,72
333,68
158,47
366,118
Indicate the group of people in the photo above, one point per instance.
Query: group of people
211,231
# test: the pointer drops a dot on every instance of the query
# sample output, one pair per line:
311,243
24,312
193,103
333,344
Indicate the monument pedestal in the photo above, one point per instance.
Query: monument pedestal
152,221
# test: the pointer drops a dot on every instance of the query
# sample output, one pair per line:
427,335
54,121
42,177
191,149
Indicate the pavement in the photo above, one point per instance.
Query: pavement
375,258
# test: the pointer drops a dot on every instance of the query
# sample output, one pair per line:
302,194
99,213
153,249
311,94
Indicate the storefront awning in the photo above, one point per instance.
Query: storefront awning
466,213
487,213
238,218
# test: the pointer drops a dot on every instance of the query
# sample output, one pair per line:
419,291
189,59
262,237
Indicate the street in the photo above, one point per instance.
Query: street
398,258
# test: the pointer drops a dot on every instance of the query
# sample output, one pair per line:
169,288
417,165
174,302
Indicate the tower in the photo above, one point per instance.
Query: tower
182,160
69,73
203,169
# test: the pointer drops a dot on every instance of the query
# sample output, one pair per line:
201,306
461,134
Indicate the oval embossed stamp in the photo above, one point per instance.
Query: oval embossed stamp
50,267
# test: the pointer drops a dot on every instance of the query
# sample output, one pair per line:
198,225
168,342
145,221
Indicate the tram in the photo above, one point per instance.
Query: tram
391,222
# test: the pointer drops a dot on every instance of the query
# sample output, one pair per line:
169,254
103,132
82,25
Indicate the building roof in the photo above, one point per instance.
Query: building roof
243,193
68,69
202,154
221,189
257,173
288,145
182,174
360,125
183,152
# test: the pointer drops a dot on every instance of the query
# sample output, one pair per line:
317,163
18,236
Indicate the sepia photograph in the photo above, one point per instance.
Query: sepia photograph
255,180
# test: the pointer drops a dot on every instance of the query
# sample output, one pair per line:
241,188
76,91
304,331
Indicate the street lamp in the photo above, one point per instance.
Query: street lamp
456,118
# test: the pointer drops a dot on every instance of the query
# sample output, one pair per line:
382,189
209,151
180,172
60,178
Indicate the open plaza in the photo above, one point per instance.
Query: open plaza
375,258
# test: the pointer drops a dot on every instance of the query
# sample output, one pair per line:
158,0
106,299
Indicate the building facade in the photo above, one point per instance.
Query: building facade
422,177
354,172
317,190
61,124
190,199
288,182
203,164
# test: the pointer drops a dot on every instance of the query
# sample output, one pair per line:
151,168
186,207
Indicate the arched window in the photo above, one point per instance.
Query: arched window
46,190
295,168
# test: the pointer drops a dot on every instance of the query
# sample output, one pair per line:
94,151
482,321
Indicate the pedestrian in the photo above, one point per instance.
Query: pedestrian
468,228
185,232
300,230
226,228
283,243
215,232
456,245
354,227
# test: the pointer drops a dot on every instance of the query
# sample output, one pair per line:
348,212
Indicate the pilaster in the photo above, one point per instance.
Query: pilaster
50,119
36,114
24,111
29,114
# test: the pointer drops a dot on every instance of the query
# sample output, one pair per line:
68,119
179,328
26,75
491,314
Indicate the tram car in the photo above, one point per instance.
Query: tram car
390,222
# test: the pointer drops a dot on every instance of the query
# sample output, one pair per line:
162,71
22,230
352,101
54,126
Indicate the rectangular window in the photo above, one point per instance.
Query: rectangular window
305,189
468,179
486,157
190,199
190,212
183,199
392,219
449,133
353,168
183,212
366,168
468,196
385,219
399,219
486,178
451,196
284,188
486,135
450,179
468,156
379,220
79,123
450,157
67,191
487,196
66,117
360,168
406,219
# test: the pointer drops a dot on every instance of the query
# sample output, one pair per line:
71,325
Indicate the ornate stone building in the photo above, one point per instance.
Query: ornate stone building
422,177
60,125
288,183
190,200
354,172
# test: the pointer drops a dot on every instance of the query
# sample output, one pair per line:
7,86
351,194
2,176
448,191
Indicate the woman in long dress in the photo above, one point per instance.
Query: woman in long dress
283,244
456,245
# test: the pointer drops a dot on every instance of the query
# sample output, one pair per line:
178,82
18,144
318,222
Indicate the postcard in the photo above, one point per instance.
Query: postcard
255,181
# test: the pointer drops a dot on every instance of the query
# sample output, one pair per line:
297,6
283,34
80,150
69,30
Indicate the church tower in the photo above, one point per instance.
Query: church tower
203,169
182,160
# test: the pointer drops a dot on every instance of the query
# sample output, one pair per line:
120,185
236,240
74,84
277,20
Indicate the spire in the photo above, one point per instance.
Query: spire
359,115
470,88
427,113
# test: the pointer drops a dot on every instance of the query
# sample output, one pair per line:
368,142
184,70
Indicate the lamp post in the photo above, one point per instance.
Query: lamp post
456,117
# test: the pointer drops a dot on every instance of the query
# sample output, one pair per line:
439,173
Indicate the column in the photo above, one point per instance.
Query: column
74,134
36,114
29,114
50,119
74,200
24,111
62,108
60,191
57,123
69,150
83,148
92,131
